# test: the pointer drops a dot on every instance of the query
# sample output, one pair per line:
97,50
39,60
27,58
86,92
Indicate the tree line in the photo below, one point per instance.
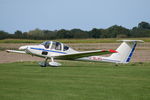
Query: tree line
115,31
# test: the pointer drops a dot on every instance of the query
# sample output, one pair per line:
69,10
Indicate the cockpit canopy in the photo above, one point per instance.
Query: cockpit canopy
52,45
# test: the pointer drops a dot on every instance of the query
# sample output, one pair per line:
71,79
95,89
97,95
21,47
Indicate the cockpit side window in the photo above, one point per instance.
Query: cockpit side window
53,45
65,48
56,46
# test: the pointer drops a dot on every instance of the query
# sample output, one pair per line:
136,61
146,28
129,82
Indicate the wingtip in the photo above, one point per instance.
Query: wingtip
7,51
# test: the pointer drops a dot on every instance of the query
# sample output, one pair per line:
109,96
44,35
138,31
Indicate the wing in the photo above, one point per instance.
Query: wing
85,54
15,51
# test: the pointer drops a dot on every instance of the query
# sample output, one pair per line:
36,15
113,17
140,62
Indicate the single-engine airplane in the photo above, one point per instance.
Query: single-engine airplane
56,50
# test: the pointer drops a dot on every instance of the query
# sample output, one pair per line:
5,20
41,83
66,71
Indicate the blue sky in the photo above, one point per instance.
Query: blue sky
27,15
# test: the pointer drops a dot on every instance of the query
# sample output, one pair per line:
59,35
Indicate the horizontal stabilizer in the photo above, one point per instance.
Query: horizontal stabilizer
131,41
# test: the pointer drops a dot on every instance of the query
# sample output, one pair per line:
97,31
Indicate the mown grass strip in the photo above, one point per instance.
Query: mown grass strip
75,81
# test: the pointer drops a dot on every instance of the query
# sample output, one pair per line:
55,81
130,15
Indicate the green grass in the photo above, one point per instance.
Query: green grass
75,81
105,40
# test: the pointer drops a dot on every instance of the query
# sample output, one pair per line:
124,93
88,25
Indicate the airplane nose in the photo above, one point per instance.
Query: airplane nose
23,47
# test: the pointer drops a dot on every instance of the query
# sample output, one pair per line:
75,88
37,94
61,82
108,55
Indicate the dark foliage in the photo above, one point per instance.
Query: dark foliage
115,31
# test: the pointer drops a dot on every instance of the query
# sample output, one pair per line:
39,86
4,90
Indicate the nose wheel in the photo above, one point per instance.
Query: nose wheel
52,63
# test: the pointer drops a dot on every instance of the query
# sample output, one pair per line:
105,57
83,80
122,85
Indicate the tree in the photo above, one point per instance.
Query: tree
18,34
95,33
61,34
137,32
144,25
48,35
143,30
36,34
3,35
78,33
115,31
25,35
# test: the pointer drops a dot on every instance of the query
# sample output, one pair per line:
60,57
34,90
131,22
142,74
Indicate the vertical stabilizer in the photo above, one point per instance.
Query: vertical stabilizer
125,51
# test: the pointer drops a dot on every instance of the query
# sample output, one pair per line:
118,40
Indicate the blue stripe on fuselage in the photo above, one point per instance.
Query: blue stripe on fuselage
48,50
131,53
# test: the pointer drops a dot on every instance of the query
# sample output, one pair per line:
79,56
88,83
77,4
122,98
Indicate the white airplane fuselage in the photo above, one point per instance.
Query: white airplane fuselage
40,50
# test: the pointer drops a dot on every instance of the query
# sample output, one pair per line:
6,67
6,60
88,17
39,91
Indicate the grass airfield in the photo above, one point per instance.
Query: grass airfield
75,81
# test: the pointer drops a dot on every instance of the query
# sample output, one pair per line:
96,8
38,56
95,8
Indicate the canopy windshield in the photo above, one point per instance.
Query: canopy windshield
55,45
46,44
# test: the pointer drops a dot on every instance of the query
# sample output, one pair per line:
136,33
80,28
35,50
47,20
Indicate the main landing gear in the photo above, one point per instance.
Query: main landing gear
52,63
44,63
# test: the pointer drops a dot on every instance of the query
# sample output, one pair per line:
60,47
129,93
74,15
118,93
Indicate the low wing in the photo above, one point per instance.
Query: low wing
15,51
85,54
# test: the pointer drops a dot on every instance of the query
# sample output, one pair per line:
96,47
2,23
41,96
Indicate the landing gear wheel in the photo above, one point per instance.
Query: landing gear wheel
44,64
53,63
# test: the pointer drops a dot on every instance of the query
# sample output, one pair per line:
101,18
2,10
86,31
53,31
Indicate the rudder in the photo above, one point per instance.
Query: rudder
125,51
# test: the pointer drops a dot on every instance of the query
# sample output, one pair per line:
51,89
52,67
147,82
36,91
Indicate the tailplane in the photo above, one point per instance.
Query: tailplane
124,52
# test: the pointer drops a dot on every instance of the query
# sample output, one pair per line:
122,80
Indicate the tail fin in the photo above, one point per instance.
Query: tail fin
125,51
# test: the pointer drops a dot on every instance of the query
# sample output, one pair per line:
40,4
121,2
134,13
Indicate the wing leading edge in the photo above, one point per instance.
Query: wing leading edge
15,51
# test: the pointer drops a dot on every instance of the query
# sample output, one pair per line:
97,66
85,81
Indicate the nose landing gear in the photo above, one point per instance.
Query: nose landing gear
52,63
